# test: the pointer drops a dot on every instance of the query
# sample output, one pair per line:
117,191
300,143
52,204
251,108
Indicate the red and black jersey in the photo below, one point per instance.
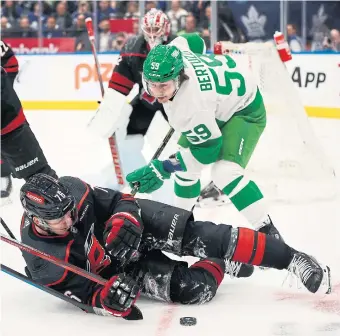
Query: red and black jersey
129,70
83,247
8,60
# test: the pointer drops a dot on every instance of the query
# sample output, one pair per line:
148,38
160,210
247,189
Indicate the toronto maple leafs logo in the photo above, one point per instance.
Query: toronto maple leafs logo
254,23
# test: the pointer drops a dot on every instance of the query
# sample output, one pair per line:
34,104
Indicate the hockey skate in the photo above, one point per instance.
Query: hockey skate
211,196
269,229
6,188
238,270
314,276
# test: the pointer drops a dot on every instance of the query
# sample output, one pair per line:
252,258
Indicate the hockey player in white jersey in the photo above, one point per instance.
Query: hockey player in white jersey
219,110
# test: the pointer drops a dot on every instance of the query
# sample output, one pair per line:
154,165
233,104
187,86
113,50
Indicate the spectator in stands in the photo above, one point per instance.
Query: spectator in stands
149,5
34,16
197,8
80,33
294,41
5,27
119,41
190,25
335,38
24,29
84,9
12,11
63,18
105,35
227,29
105,11
177,16
332,42
51,29
132,11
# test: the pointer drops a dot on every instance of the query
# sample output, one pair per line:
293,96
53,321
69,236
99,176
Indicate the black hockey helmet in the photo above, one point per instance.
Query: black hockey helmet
46,198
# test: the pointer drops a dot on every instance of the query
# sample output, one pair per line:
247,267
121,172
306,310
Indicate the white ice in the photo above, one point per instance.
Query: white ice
255,306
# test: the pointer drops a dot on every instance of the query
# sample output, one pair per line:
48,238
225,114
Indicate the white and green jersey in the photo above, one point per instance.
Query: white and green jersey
216,89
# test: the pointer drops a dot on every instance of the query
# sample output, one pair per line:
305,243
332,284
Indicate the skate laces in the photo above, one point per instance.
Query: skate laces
232,268
301,268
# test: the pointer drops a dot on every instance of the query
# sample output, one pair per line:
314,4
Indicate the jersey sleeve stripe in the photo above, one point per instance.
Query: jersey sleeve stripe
15,123
119,88
121,80
133,55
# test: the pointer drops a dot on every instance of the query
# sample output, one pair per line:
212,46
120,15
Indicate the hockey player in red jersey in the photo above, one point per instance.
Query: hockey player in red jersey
123,239
21,154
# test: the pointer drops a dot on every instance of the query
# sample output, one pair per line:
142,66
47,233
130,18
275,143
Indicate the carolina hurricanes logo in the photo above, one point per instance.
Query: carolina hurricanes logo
97,259
35,198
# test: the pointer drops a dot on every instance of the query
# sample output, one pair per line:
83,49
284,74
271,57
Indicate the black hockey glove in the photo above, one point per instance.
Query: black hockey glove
122,236
119,294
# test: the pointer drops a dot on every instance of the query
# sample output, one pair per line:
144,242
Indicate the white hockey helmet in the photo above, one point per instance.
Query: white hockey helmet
155,27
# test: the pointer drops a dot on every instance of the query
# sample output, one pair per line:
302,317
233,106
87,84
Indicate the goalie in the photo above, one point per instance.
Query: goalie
219,110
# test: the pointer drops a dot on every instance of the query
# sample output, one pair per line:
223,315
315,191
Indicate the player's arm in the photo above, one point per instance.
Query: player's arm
123,224
115,298
114,108
203,140
8,60
192,42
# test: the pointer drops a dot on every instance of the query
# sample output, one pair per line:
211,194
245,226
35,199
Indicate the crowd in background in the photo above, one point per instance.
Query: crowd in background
21,19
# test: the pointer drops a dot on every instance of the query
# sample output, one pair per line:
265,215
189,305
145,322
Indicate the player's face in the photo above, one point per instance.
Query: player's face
61,225
162,91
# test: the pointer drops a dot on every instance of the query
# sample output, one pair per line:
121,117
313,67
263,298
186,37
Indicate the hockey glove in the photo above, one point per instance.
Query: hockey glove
119,294
149,178
122,236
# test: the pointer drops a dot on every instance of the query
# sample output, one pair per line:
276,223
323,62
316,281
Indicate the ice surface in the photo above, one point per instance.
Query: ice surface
259,305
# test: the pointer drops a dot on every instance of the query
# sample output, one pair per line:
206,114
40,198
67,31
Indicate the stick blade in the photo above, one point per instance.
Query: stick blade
135,314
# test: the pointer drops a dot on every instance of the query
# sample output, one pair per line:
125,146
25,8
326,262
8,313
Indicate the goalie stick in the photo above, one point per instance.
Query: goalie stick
112,139
135,314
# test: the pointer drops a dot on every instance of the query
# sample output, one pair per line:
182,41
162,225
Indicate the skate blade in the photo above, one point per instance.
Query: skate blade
326,283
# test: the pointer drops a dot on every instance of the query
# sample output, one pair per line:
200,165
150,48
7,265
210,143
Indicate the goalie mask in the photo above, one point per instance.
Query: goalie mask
43,197
161,72
155,27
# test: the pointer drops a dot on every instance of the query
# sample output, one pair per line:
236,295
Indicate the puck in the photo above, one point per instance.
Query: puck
188,321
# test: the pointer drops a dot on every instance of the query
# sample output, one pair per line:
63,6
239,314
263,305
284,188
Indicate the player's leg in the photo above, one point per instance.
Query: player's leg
19,146
23,152
206,239
173,281
240,137
187,185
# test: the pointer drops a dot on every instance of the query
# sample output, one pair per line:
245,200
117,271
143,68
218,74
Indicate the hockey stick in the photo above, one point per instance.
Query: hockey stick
156,156
135,314
112,139
48,290
9,232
